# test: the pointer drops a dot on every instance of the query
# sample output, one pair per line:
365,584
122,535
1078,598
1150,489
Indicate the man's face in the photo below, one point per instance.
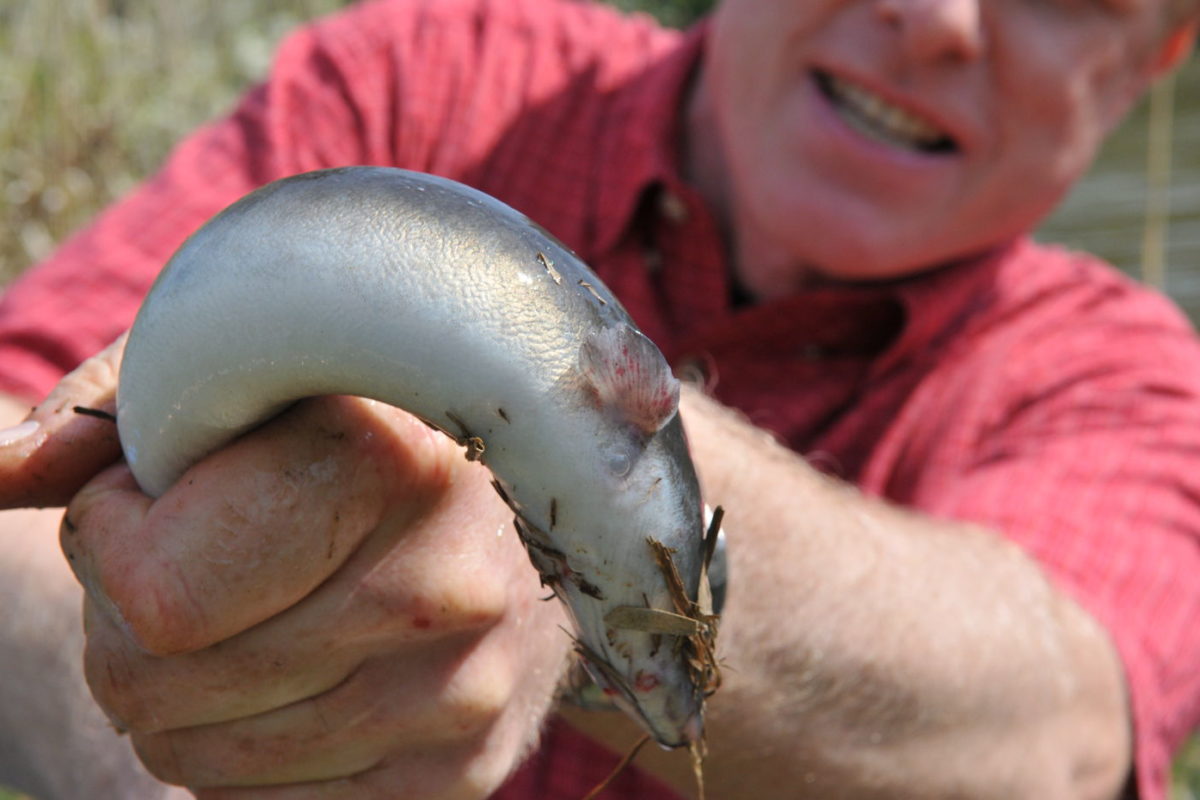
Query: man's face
866,139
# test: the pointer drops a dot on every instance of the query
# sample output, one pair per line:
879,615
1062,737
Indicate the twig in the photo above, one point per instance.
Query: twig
621,765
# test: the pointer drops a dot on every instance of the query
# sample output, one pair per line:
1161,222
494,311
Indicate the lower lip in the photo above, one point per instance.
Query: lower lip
841,140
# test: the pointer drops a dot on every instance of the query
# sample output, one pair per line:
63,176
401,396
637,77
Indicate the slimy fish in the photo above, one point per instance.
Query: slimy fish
438,299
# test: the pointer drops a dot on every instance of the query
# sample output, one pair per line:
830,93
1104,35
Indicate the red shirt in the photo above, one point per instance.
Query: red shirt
1034,391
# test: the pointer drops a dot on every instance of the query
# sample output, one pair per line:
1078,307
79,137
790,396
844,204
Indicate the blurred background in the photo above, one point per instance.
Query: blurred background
93,93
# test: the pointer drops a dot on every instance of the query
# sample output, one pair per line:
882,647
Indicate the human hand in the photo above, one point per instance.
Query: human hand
59,446
335,606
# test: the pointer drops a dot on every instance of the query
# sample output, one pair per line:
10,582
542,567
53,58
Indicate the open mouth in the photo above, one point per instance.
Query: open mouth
871,115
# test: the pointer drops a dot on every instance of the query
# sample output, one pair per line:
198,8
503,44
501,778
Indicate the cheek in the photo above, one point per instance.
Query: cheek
754,48
735,75
1054,136
1066,91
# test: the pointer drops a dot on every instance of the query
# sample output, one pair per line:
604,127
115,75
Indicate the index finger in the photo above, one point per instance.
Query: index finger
255,527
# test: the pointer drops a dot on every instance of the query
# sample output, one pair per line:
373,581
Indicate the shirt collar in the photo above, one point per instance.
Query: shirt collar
890,323
639,149
940,303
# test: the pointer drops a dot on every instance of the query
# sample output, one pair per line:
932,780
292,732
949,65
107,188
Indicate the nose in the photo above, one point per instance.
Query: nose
936,31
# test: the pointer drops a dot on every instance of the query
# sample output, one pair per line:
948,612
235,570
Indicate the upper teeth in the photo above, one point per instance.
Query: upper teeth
874,116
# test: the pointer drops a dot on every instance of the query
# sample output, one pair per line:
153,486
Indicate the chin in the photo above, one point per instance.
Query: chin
818,257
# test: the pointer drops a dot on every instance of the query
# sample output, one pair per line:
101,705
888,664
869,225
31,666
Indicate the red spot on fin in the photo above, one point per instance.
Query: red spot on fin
630,376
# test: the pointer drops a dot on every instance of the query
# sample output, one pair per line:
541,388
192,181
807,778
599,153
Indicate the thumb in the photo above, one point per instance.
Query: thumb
67,439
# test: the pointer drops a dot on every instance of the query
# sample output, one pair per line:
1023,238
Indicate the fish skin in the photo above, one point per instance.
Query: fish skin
436,298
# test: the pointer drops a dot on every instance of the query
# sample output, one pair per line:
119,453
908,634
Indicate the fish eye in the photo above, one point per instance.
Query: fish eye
620,462
620,454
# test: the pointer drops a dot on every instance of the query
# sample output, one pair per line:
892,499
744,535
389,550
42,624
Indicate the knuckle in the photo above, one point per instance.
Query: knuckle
100,371
116,678
479,693
474,713
467,597
108,540
422,603
476,605
158,754
396,778
153,607
447,774
112,686
398,456
485,772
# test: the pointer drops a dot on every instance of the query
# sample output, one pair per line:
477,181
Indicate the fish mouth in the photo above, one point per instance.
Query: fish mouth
882,120
669,727
668,735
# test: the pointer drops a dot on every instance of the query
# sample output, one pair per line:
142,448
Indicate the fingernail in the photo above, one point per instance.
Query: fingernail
18,432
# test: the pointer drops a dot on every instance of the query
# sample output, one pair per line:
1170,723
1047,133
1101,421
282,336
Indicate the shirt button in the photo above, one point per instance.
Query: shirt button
653,259
813,352
672,207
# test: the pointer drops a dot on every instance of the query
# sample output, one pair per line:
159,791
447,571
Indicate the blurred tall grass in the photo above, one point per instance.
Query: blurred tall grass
94,92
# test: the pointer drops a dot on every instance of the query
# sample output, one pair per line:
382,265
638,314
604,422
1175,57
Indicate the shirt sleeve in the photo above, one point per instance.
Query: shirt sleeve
1085,450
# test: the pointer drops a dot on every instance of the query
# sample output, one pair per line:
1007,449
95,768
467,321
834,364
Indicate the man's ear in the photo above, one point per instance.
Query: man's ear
1174,50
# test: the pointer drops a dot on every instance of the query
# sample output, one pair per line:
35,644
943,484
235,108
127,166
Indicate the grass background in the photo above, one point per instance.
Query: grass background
94,92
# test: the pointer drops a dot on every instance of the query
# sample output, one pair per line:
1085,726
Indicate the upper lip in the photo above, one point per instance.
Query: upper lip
947,123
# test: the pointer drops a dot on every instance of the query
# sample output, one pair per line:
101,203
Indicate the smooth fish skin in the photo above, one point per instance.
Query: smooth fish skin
428,295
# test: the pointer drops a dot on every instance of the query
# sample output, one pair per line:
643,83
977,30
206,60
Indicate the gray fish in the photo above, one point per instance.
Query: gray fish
438,299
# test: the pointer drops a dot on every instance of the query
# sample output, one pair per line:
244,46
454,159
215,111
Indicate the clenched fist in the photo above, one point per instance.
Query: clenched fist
335,605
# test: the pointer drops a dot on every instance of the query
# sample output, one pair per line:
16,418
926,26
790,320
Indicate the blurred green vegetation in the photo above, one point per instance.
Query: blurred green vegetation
94,92
670,12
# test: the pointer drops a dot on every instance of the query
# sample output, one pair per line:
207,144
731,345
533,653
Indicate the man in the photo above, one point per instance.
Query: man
818,206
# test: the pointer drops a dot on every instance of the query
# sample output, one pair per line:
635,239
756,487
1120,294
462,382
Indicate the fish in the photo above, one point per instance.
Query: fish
431,296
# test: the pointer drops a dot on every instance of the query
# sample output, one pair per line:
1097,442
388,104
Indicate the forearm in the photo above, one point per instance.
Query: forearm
872,652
